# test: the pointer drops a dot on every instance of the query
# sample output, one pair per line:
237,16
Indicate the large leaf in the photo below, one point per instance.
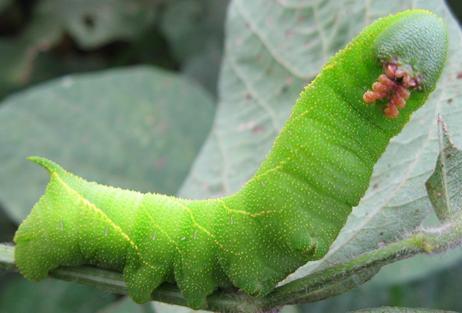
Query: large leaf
51,296
136,128
272,50
17,55
94,23
444,188
445,184
194,31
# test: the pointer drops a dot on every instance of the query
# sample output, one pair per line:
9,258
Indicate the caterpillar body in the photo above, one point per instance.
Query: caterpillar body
287,214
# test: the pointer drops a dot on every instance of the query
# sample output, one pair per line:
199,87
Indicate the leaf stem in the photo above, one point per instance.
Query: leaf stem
314,287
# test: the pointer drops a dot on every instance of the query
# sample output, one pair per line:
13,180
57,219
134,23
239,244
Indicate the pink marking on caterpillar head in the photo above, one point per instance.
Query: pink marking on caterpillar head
403,92
397,101
369,97
390,70
393,86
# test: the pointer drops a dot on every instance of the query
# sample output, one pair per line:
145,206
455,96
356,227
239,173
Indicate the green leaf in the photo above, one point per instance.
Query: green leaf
444,190
194,31
420,266
272,50
17,55
137,128
51,296
445,185
396,201
91,23
191,25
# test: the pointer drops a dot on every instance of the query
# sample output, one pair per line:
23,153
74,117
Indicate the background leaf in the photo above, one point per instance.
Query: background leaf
21,296
436,291
201,26
96,23
126,305
272,51
136,128
18,54
444,186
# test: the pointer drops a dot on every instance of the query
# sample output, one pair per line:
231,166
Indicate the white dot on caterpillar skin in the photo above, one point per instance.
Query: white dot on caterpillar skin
154,236
183,238
106,231
61,225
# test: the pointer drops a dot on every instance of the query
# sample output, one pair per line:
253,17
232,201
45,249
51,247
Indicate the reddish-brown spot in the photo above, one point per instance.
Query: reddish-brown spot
459,75
394,85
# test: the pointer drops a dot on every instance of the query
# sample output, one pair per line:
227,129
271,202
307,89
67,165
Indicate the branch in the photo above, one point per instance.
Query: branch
363,267
314,287
113,282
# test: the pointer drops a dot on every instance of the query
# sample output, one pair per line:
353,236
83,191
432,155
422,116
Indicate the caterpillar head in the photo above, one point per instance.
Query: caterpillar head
412,54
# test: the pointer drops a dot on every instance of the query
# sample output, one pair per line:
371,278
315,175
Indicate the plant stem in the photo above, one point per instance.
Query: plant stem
314,287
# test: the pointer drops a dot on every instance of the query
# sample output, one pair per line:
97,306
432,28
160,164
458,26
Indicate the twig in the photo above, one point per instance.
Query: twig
314,287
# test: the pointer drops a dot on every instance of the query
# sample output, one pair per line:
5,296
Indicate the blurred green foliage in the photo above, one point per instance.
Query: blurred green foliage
45,39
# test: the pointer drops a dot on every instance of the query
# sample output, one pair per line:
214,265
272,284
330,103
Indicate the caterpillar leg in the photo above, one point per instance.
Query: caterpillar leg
48,225
142,279
197,271
150,262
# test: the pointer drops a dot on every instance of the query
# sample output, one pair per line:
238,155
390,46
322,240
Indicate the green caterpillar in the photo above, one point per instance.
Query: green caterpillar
289,213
